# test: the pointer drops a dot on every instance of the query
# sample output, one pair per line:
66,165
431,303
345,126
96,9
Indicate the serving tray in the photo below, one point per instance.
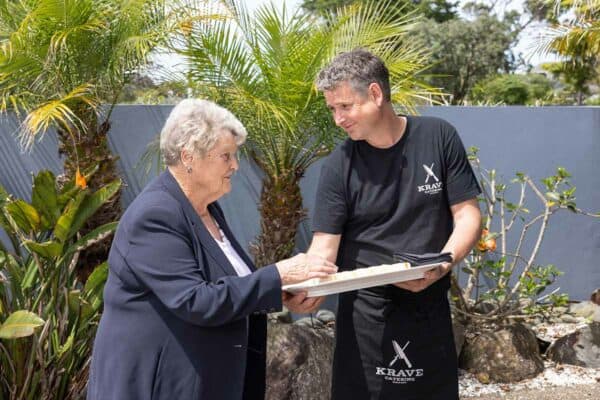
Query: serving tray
359,278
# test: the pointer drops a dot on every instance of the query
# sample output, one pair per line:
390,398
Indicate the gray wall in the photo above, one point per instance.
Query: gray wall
511,139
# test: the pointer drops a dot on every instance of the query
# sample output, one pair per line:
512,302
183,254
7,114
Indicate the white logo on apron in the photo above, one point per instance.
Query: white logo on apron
399,376
400,354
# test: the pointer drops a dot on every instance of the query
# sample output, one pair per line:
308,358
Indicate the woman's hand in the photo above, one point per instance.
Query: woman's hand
302,267
300,304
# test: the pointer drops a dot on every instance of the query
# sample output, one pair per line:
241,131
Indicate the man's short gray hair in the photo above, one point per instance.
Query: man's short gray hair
359,68
195,125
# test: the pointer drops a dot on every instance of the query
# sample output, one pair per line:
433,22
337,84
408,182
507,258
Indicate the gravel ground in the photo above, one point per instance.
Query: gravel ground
577,392
554,380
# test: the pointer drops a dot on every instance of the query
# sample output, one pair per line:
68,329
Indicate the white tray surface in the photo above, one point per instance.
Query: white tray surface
359,278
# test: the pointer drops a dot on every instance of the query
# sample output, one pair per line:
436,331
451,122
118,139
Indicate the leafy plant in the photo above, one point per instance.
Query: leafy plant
465,52
48,316
574,35
64,64
512,89
506,283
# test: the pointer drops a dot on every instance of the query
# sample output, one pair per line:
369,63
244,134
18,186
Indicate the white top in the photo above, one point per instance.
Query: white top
234,258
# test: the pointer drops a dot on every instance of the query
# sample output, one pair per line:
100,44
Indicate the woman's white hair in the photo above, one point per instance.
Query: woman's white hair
195,125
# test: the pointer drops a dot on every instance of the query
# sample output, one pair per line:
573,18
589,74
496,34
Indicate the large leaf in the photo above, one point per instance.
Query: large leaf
67,346
45,199
50,249
16,273
31,272
79,305
91,204
19,324
92,237
65,221
24,215
94,286
3,195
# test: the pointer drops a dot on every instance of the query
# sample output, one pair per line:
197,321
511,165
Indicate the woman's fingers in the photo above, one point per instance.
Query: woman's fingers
304,266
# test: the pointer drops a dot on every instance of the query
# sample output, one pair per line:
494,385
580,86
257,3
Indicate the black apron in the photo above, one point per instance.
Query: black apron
393,344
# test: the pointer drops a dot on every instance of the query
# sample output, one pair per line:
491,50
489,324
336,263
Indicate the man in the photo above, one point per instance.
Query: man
398,184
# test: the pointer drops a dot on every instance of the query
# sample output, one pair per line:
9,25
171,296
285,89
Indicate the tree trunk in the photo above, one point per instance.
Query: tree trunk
281,211
91,149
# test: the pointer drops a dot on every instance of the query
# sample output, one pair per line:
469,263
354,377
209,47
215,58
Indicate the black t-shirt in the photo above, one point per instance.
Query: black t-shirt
397,199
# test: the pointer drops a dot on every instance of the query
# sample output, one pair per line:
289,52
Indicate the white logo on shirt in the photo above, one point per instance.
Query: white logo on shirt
435,186
430,174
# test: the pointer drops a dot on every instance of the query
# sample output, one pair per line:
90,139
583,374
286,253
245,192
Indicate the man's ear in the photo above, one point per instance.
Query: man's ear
376,93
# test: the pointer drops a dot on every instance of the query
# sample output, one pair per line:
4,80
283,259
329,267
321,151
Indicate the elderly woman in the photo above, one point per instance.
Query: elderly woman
185,308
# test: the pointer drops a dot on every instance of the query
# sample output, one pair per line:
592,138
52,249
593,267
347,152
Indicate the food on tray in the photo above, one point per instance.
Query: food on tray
362,272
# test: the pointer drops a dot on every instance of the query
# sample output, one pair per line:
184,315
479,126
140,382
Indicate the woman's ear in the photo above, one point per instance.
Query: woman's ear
187,157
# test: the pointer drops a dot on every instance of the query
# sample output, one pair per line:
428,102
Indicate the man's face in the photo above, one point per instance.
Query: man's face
354,112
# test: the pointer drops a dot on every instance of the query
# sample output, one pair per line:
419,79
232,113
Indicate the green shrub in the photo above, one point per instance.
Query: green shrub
512,89
47,316
504,281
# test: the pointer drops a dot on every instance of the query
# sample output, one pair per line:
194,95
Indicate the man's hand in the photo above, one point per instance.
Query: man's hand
300,304
431,276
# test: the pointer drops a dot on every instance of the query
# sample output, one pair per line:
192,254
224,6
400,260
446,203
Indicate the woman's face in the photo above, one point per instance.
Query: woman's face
213,172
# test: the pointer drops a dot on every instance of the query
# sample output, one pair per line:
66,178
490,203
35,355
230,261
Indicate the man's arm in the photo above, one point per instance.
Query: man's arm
323,245
466,232
467,229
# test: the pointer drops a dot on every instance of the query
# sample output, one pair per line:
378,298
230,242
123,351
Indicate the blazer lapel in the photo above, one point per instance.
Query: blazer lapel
218,215
204,237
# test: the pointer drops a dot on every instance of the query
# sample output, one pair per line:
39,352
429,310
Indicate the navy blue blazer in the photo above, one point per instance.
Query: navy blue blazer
178,322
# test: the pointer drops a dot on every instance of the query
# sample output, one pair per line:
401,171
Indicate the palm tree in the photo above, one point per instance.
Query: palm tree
580,33
63,64
577,41
262,67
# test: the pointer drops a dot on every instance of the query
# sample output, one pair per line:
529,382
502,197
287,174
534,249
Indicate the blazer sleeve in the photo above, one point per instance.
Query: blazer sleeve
160,254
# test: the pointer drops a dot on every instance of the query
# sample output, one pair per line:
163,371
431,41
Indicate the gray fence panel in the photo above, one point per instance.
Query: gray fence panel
536,141
532,140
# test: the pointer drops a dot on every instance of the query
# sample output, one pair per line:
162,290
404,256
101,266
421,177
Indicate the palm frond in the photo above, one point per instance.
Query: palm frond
577,36
51,50
58,113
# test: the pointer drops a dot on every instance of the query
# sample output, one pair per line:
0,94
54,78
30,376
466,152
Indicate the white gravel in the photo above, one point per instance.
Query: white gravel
551,332
553,375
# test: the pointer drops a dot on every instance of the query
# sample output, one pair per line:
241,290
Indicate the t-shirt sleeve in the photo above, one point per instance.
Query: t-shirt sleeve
461,183
331,211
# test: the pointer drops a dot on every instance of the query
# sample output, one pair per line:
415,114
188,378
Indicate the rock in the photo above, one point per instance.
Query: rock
543,344
483,377
561,310
581,347
507,355
283,317
311,322
325,316
569,319
298,362
595,297
586,309
458,329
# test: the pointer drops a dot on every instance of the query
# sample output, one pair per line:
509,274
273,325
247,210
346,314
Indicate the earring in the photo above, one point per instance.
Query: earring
189,170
